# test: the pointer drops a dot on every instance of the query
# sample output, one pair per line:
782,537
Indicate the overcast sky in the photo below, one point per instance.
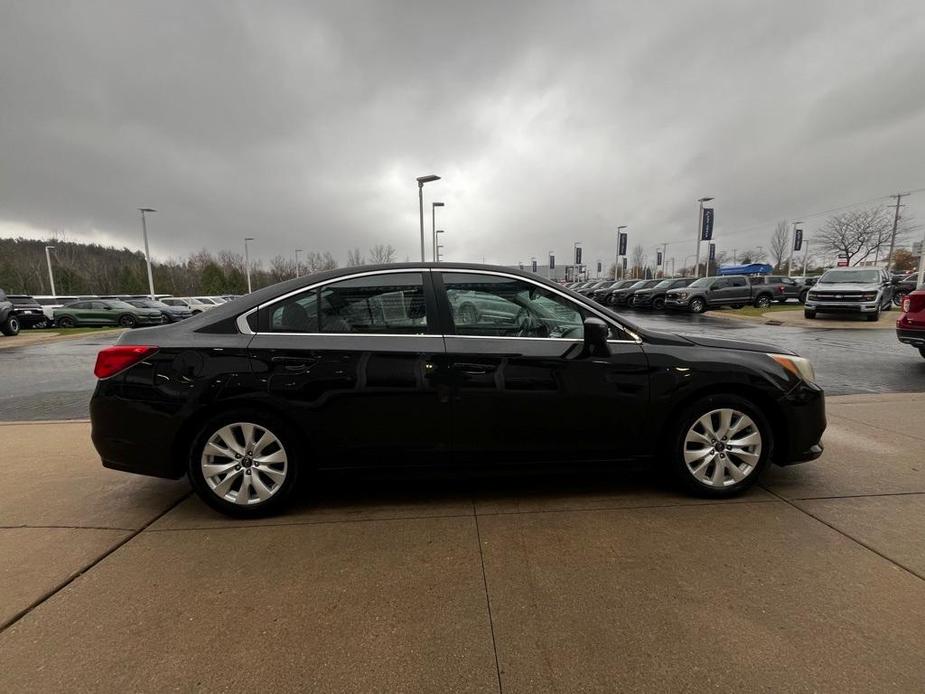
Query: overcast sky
305,124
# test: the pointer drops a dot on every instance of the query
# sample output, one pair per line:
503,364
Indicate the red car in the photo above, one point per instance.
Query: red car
910,327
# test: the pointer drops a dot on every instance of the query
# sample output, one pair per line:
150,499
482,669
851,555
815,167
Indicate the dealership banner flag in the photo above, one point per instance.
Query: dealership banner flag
658,259
707,234
712,252
624,262
552,262
797,239
623,239
598,267
577,255
534,266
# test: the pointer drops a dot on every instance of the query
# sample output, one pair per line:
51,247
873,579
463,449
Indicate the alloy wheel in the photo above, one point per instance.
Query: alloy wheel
722,448
244,463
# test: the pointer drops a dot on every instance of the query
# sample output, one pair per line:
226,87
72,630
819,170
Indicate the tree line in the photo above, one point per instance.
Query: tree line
81,268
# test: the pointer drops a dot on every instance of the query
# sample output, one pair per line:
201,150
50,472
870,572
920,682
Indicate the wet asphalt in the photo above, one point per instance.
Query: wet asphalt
55,381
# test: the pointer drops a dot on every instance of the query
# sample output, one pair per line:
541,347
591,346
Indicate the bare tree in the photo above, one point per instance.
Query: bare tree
637,258
856,234
753,255
381,254
354,258
780,244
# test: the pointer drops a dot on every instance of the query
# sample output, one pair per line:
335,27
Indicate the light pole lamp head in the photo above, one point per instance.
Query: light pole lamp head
49,248
146,209
622,226
705,199
439,231
437,204
427,179
248,238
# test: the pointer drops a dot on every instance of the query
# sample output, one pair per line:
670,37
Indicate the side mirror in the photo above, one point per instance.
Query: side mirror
595,338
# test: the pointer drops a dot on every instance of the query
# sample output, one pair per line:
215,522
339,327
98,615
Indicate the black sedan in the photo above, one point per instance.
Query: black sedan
372,367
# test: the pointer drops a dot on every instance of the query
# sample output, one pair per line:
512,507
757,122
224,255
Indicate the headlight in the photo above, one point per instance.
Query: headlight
812,295
870,296
681,295
798,366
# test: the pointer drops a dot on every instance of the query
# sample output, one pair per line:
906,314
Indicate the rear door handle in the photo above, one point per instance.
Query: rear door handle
473,369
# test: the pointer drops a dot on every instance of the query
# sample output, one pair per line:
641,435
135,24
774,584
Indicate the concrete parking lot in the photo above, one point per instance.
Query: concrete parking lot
814,581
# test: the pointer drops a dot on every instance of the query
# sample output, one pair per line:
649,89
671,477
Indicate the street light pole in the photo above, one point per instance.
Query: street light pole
700,233
51,275
247,262
297,266
433,225
436,245
144,232
421,181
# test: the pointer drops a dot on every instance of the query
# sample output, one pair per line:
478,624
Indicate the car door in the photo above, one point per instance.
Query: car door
101,313
720,292
352,361
522,388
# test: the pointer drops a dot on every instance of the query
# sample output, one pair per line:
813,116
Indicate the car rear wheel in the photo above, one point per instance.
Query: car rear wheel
810,315
658,303
875,316
898,298
763,301
65,322
10,327
722,444
922,352
696,305
244,464
127,321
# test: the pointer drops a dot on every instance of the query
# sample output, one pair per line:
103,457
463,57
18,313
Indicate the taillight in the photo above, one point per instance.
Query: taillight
112,360
907,303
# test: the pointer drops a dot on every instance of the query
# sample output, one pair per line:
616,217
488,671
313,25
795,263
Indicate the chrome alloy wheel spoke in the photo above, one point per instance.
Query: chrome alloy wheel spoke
244,463
722,447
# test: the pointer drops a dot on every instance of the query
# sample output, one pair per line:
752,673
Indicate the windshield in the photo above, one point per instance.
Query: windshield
663,284
702,282
851,277
119,304
147,303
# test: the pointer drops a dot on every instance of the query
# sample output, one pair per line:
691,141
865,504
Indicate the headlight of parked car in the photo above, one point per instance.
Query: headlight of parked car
870,296
680,295
798,366
813,295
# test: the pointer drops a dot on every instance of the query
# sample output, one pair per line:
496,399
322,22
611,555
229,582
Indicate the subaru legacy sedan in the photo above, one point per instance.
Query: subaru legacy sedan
381,367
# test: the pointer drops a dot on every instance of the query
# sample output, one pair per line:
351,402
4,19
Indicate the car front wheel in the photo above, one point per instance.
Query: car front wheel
10,327
658,303
722,444
696,305
66,322
243,464
809,315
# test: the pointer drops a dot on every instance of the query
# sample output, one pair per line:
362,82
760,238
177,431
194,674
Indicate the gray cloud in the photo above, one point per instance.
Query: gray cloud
304,124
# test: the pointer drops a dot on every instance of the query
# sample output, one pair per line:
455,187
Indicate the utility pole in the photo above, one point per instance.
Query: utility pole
889,258
664,257
805,259
51,275
247,262
144,232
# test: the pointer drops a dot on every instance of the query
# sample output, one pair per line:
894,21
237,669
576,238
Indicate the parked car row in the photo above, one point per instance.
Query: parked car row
910,326
23,311
695,295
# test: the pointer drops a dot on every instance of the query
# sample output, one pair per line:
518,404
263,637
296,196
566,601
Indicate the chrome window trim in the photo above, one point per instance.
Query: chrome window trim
607,319
245,329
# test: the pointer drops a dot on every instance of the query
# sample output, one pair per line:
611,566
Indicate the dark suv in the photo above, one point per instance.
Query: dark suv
28,311
654,297
372,368
782,287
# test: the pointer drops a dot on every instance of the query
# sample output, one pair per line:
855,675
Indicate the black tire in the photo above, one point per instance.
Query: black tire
128,321
803,296
872,317
922,352
696,305
280,496
10,327
762,301
898,298
809,315
66,322
687,420
658,303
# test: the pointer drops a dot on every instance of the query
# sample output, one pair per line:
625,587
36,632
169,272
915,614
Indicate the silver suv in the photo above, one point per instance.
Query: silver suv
866,291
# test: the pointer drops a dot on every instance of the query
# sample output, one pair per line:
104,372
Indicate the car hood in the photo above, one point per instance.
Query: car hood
845,287
736,344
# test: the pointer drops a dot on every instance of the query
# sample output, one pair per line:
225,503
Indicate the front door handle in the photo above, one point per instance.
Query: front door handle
295,364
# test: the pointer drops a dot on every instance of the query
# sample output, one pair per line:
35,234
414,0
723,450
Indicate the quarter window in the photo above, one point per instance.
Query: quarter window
494,306
388,303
